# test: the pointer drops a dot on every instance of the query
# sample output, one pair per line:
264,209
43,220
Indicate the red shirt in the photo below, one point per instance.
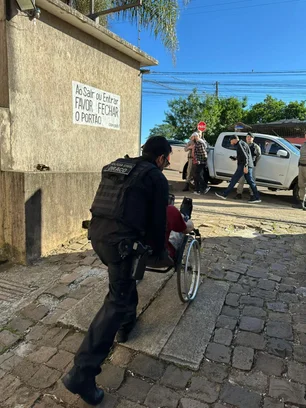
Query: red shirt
175,223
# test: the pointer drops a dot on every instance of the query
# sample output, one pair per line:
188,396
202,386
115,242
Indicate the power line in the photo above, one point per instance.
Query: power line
185,12
286,84
285,72
235,84
215,4
161,84
243,7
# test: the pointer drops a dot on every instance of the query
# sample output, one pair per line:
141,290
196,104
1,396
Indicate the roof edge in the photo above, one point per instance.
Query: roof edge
85,24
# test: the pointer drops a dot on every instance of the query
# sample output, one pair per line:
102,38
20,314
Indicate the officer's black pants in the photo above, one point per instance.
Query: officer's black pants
118,311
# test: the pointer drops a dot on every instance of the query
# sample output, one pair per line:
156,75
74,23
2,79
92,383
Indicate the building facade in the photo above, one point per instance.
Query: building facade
70,102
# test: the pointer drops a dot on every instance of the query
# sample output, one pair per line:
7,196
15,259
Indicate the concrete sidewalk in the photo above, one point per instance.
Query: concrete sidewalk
241,343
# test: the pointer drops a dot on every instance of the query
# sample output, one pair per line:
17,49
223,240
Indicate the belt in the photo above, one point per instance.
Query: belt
302,165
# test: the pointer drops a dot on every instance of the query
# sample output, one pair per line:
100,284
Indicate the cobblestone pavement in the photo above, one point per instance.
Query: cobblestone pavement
256,354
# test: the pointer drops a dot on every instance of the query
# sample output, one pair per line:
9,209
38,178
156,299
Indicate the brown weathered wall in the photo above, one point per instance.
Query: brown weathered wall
41,210
4,145
12,216
44,58
4,95
55,204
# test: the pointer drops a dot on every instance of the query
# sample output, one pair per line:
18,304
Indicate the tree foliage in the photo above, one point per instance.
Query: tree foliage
269,110
272,109
220,113
184,114
295,110
165,130
159,16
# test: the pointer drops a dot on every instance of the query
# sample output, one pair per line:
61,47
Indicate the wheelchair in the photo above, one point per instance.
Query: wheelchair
187,261
187,266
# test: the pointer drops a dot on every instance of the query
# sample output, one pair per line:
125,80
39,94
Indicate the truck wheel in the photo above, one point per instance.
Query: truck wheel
295,192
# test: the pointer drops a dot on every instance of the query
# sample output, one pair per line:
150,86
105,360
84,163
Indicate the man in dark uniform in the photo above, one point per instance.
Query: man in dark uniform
130,206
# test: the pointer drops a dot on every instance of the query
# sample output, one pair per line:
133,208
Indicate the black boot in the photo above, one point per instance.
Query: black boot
124,331
186,188
78,383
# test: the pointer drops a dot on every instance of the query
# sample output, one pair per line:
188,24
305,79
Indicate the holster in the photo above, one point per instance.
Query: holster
86,225
140,260
140,254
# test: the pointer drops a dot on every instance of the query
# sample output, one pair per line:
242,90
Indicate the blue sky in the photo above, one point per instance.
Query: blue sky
227,36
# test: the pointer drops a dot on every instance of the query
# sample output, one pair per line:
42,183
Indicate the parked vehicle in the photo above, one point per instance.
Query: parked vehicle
297,145
277,169
179,160
178,156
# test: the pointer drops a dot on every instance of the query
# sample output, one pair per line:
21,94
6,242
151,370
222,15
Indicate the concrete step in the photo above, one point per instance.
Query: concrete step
166,328
80,316
155,325
178,332
188,341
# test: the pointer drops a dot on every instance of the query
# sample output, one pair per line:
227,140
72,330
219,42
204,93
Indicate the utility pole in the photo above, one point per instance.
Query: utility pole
217,89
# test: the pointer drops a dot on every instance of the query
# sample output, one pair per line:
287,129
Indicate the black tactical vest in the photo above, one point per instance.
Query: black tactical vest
119,178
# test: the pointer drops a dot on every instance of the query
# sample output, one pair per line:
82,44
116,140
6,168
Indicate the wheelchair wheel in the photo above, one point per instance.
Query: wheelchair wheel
188,270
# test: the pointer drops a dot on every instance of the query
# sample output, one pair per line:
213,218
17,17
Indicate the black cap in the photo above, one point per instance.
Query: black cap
234,137
250,134
156,146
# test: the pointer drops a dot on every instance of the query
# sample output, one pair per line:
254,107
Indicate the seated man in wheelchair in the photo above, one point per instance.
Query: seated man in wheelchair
178,223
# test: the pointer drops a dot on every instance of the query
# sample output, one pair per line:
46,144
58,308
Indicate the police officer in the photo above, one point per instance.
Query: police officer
130,205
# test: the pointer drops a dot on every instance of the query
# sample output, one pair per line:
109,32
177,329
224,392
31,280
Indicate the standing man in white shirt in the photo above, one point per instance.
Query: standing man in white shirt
190,167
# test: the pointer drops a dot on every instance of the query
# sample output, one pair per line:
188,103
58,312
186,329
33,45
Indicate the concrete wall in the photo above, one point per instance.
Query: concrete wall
4,96
45,57
55,206
39,59
12,216
41,210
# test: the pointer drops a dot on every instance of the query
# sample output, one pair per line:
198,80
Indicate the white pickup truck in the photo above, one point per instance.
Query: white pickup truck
277,169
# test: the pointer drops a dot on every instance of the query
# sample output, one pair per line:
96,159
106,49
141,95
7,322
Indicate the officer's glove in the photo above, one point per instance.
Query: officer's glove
162,260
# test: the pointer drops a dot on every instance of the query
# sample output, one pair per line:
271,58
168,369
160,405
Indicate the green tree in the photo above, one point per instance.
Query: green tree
270,110
231,110
159,16
185,113
295,110
165,130
220,113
